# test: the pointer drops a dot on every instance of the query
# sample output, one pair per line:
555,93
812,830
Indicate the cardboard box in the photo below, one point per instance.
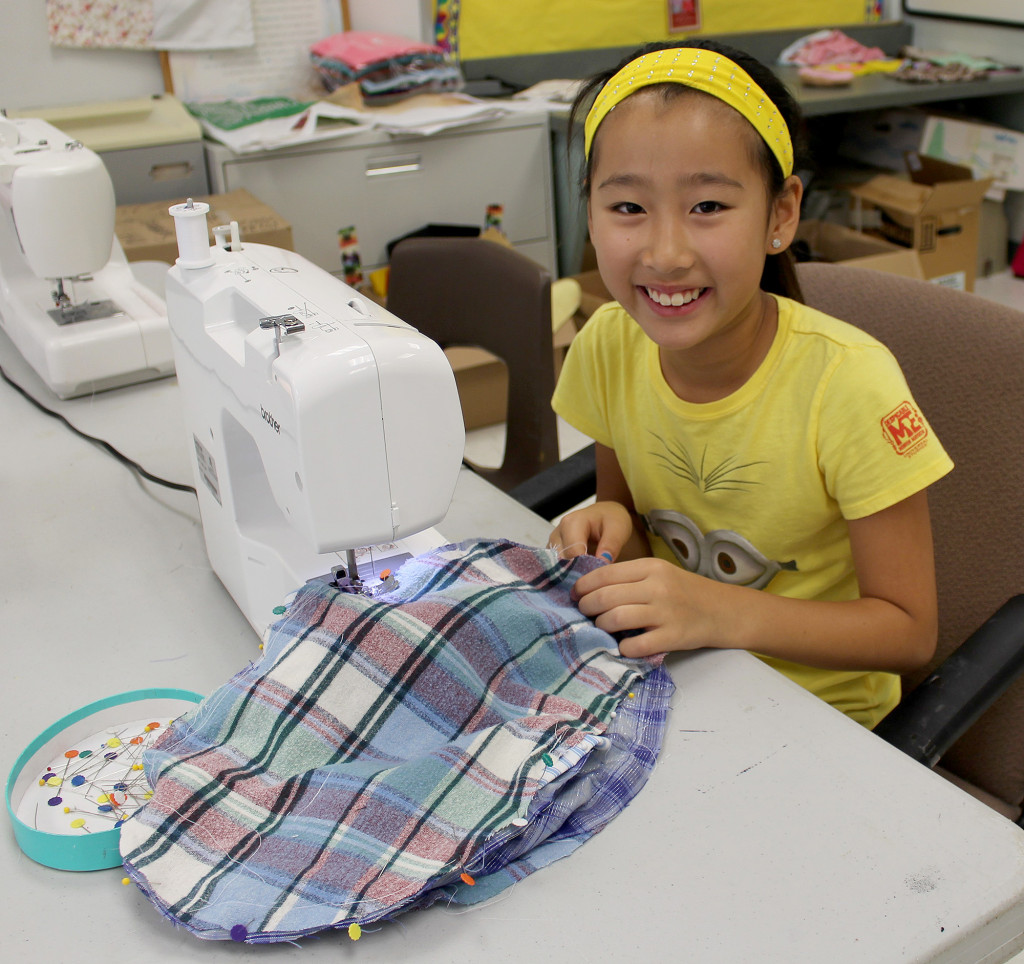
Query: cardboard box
824,241
989,151
146,231
935,213
482,378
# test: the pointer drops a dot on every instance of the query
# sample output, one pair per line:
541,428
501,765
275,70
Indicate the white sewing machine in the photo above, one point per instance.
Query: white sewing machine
69,300
318,421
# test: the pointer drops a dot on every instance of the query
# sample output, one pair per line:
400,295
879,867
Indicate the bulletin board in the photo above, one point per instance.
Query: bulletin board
502,28
989,11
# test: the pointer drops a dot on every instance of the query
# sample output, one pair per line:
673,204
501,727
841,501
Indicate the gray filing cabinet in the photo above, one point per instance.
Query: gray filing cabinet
164,172
388,185
152,146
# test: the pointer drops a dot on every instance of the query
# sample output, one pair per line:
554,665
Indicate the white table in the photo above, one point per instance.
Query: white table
773,828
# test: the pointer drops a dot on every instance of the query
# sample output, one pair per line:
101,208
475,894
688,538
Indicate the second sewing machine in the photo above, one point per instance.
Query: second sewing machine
69,299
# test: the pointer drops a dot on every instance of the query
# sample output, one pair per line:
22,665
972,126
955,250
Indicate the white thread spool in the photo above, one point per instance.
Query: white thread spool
191,232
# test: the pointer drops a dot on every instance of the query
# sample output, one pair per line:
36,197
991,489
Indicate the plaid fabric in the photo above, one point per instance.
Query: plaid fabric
384,746
568,812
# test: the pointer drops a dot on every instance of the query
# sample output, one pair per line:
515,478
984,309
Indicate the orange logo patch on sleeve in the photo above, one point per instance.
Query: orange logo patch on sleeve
904,429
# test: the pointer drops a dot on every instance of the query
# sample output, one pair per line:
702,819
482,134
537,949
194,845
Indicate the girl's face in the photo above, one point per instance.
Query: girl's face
680,219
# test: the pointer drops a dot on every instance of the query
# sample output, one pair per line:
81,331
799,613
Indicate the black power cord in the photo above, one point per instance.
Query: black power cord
106,446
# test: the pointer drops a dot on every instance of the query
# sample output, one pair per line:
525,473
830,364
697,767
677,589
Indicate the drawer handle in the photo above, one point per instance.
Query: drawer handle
170,172
377,167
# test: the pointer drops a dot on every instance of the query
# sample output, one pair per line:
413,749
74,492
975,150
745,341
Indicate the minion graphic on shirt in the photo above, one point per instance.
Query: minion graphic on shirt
722,555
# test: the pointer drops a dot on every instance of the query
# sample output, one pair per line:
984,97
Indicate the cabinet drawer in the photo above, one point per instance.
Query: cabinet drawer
396,185
167,172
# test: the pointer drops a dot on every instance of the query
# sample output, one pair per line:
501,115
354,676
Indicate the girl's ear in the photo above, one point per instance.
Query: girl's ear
785,216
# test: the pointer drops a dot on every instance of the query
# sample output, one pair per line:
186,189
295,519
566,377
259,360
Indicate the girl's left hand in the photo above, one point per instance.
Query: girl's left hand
675,609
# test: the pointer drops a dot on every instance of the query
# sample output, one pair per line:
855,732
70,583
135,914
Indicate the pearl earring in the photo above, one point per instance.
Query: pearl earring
776,243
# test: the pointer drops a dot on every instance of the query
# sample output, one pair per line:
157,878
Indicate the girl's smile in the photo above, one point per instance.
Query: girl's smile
663,298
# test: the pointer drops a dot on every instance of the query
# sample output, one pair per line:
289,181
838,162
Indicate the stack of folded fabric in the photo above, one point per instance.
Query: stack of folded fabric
443,738
828,47
938,67
387,68
831,58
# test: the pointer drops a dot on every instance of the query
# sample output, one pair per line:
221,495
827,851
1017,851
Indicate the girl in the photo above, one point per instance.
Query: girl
761,466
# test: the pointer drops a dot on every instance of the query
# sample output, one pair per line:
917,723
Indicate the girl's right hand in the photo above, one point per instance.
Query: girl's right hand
601,529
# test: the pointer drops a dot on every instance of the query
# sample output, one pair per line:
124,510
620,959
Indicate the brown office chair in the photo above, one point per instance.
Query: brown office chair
964,360
470,291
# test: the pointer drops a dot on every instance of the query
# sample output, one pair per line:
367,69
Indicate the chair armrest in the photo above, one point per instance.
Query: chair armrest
557,489
929,720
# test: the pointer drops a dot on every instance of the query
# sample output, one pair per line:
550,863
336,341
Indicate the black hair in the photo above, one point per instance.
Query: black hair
779,274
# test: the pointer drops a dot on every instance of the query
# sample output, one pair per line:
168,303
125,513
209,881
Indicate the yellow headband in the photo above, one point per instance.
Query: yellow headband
703,70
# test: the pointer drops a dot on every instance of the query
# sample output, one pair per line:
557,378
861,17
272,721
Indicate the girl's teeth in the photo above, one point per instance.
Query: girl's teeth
674,300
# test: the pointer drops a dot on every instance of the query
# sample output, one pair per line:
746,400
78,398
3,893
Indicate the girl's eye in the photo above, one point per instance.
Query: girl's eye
708,207
628,207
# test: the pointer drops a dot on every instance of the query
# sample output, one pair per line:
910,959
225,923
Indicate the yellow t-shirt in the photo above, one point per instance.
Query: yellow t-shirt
755,488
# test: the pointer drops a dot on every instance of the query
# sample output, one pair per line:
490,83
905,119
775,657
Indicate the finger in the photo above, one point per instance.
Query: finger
612,574
565,544
570,551
572,538
626,618
618,605
642,644
610,542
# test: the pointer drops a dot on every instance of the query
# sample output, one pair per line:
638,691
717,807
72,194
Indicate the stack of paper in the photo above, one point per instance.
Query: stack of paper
426,114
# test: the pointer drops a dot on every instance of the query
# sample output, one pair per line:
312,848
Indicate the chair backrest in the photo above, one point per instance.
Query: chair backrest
470,291
963,358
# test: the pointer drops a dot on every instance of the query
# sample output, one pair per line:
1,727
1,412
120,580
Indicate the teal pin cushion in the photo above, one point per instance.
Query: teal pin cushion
75,784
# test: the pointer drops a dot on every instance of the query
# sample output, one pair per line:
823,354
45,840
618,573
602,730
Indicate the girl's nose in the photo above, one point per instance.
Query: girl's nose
668,247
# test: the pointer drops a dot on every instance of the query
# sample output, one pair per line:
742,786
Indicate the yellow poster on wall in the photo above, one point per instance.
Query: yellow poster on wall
505,28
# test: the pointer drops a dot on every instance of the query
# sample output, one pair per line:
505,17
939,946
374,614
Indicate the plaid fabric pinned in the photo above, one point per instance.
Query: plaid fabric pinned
385,746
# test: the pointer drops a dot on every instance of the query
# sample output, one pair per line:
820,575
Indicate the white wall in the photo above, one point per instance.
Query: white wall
984,40
34,74
407,18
